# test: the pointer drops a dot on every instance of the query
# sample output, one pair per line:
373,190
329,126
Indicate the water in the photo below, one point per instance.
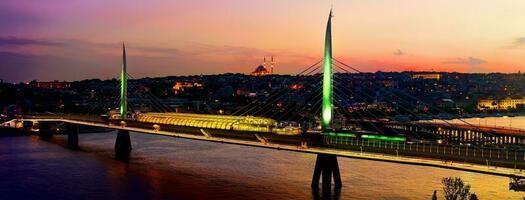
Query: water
517,122
172,168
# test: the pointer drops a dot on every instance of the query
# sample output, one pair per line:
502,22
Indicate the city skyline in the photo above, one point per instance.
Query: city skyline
232,99
208,37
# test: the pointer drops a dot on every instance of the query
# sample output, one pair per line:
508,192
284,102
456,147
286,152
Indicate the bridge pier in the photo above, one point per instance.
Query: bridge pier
326,165
45,135
122,145
72,138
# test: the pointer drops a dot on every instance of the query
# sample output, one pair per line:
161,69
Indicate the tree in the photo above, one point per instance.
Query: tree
434,195
455,189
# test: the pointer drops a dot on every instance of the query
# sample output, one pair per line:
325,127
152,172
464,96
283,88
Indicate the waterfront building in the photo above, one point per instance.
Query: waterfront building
426,75
503,104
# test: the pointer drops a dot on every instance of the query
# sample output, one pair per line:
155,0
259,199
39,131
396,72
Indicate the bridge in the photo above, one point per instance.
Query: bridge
439,144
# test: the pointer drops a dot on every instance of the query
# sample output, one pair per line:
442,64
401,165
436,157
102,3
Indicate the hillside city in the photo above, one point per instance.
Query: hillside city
386,94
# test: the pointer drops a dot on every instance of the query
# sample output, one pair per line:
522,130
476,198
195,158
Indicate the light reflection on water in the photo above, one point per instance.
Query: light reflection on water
171,168
517,122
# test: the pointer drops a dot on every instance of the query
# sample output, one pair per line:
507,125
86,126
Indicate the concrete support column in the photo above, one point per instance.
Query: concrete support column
72,137
327,166
122,145
44,132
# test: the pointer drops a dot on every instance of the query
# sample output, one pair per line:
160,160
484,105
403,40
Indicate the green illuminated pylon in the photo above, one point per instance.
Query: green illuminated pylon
123,86
327,107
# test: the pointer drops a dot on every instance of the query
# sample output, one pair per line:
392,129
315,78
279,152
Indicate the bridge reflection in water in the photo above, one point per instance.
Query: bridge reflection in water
173,168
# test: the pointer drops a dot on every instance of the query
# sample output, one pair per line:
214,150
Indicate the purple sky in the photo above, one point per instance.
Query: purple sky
72,40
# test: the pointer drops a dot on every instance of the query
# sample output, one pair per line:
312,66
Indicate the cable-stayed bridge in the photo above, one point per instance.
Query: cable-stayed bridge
320,123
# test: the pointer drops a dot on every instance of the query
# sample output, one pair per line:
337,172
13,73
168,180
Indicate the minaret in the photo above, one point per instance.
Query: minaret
123,86
327,106
271,66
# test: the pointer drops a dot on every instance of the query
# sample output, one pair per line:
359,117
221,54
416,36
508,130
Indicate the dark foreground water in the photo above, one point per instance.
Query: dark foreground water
171,168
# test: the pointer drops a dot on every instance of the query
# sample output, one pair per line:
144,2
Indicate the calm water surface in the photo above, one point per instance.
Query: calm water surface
517,122
172,168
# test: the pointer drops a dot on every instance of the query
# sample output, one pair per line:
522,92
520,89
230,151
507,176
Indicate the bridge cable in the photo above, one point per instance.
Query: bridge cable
313,94
275,96
154,100
257,100
275,100
143,100
339,79
401,105
414,98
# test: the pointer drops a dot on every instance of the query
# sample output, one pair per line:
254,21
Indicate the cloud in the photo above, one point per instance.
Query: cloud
471,64
16,41
518,43
471,61
25,59
71,45
398,53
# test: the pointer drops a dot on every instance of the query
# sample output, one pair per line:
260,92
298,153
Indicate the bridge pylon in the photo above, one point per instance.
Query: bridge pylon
123,86
72,138
326,165
122,145
123,142
327,112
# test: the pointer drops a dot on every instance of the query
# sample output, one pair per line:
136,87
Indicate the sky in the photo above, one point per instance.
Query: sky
81,39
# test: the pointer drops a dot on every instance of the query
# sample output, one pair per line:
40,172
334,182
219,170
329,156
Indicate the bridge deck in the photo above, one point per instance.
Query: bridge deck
499,171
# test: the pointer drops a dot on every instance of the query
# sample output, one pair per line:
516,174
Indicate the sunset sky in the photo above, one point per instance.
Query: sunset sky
73,40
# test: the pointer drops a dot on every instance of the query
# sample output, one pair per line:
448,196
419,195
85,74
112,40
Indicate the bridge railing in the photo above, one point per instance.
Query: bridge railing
79,117
490,156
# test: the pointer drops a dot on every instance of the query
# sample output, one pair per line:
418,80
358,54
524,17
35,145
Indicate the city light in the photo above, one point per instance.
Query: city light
384,137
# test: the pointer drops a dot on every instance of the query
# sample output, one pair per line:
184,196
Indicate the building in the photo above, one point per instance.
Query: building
426,75
181,86
222,122
261,70
50,84
245,92
503,104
